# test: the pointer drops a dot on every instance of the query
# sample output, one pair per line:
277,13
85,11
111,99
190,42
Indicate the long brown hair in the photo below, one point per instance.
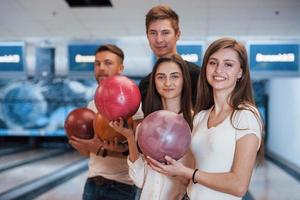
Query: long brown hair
153,99
241,97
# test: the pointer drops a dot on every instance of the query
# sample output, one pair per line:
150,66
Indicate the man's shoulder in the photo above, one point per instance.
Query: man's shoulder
145,79
192,65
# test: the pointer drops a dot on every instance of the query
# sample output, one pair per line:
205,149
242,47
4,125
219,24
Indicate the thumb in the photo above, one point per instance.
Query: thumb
170,160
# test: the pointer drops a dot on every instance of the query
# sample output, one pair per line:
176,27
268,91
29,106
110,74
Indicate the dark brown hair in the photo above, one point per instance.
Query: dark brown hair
241,96
153,99
113,49
161,12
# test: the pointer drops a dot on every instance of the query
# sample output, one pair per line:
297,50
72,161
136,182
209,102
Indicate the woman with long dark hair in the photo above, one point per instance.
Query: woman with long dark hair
169,89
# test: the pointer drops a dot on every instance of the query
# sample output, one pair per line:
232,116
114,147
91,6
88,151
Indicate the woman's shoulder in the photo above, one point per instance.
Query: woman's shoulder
247,109
248,121
247,113
200,115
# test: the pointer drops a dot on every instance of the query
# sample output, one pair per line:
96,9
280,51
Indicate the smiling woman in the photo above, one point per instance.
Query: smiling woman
223,69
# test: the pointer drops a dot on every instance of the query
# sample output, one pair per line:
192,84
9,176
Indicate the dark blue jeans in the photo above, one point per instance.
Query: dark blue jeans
108,191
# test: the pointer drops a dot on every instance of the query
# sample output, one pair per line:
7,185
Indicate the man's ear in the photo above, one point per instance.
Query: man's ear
121,69
178,35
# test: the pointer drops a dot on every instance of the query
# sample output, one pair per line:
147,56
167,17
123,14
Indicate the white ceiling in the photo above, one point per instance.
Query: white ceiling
25,19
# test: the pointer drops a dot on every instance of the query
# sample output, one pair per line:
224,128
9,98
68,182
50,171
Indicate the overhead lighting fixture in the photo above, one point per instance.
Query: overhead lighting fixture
89,3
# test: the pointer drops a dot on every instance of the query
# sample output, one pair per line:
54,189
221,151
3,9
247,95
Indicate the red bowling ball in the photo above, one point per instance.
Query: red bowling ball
117,96
164,133
79,123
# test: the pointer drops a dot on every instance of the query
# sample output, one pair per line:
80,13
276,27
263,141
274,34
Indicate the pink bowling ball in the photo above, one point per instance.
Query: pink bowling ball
164,133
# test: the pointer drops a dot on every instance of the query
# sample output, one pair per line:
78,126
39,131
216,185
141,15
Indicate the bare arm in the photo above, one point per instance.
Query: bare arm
234,182
129,134
84,147
188,161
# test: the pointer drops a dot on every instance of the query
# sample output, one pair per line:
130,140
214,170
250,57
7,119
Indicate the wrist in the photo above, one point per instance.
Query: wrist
131,140
194,176
93,148
101,151
187,173
95,145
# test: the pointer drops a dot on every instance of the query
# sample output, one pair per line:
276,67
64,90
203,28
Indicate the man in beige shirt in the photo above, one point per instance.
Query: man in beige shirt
108,170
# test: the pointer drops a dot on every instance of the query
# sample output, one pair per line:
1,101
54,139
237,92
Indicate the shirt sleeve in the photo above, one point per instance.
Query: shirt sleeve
246,123
198,117
91,105
139,114
137,171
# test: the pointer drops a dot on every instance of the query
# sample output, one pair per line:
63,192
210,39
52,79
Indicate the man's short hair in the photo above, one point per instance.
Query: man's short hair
161,12
113,49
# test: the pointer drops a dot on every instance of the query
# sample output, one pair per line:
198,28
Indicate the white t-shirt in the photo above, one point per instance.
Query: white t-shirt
156,186
214,148
109,167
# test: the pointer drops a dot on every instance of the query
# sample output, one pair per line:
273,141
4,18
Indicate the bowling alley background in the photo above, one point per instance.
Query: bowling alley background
46,70
36,97
42,81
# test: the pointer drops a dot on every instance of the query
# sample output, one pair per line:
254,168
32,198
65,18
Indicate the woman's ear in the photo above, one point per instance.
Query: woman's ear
240,74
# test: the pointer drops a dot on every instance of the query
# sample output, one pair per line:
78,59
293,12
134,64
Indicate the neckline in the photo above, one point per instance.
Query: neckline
217,125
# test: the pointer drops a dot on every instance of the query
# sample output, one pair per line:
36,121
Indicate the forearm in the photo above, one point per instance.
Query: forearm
224,182
188,162
236,181
183,180
84,150
133,150
84,153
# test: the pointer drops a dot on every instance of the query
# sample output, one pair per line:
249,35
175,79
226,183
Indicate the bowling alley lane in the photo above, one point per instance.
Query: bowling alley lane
71,189
16,158
269,182
7,149
25,173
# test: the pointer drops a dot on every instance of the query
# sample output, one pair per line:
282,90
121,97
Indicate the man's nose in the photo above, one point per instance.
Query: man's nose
159,38
101,67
